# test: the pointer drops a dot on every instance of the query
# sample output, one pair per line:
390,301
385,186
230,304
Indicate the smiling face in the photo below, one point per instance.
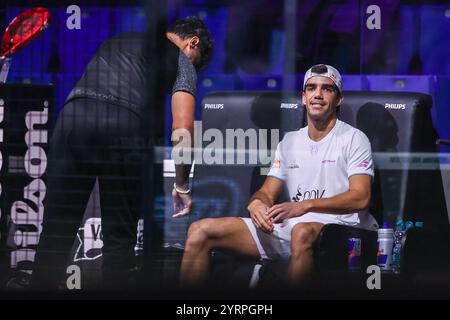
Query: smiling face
321,98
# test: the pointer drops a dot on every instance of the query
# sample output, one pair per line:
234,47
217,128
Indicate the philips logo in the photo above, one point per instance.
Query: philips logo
289,106
399,106
213,105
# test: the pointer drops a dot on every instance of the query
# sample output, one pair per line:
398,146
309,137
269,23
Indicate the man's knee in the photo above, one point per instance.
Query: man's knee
199,233
303,237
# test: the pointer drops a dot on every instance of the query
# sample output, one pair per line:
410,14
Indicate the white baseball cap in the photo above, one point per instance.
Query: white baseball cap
324,70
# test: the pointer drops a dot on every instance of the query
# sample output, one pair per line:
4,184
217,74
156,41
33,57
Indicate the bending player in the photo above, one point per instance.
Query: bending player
101,134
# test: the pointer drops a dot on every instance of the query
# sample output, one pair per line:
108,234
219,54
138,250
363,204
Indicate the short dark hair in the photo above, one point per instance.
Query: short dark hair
319,68
194,26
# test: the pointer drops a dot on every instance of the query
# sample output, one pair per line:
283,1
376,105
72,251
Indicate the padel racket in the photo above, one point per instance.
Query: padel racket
22,31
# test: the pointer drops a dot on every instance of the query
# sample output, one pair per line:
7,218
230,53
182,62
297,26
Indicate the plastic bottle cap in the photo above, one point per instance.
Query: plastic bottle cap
409,224
385,231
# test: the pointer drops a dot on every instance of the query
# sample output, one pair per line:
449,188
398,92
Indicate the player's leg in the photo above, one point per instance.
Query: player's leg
120,161
68,188
303,236
229,233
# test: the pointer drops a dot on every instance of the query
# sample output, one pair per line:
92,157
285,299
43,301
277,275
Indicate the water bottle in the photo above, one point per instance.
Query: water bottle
398,240
385,245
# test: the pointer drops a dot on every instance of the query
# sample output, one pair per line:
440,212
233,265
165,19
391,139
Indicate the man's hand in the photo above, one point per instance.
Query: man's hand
286,210
258,213
181,204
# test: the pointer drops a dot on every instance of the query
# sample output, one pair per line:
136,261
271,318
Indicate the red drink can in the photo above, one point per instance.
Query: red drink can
354,254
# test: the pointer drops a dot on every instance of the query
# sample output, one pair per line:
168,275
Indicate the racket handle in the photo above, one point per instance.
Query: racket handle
5,62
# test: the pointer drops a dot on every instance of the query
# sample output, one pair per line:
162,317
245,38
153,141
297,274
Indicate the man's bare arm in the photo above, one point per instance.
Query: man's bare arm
269,191
183,112
357,198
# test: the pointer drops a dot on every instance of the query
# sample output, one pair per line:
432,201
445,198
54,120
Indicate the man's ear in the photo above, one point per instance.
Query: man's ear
340,100
194,41
303,98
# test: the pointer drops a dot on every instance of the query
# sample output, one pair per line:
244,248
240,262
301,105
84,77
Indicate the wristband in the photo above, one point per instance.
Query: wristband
181,191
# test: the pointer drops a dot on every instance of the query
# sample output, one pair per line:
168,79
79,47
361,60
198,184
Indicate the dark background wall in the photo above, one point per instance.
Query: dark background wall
257,46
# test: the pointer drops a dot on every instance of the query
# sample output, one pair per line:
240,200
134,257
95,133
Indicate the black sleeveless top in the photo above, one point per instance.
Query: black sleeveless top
118,72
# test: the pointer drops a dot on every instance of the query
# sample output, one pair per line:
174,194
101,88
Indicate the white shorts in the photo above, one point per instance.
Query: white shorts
277,245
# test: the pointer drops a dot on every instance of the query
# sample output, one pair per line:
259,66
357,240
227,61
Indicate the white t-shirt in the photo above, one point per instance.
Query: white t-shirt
314,170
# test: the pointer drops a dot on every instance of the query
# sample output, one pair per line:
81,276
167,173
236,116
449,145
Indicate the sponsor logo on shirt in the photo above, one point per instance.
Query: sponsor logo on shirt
313,150
308,194
363,164
328,161
276,164
214,106
293,165
400,106
289,106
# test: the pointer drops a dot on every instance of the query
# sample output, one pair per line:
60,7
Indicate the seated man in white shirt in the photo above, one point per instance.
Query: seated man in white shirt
327,169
